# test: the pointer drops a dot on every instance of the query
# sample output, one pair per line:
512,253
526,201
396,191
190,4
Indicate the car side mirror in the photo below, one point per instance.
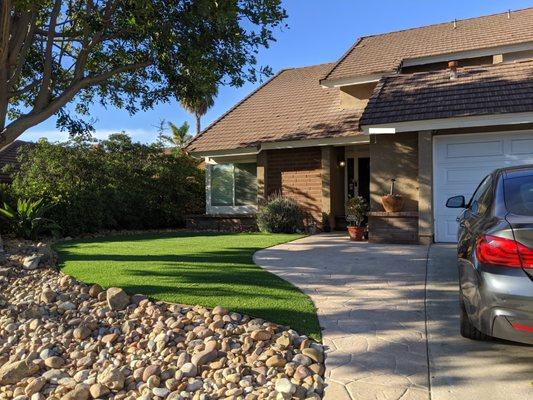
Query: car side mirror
456,202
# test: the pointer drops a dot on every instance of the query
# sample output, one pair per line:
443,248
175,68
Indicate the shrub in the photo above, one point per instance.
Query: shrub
280,215
111,184
27,219
356,210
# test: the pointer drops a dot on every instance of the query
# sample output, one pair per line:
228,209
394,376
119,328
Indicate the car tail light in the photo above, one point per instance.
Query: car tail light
521,327
498,251
505,252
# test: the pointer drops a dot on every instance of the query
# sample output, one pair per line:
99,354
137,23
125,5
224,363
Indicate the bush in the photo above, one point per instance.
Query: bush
280,215
111,184
356,210
27,219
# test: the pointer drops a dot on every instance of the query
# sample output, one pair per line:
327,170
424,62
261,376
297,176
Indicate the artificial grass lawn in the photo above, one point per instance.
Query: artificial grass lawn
193,268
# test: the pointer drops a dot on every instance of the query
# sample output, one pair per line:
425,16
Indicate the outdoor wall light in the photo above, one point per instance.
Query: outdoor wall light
342,163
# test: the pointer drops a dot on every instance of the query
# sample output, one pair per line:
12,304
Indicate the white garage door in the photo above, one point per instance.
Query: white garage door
461,161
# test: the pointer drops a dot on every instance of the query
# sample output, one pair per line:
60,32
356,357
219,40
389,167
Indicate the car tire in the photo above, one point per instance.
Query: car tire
468,330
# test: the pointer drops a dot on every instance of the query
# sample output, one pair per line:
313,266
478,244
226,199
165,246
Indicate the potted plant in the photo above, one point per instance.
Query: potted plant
356,209
392,202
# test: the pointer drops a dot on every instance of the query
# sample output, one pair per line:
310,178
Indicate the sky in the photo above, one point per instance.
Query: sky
319,31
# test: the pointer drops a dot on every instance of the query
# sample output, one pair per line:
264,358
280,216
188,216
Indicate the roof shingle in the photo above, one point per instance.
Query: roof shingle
385,52
290,106
494,89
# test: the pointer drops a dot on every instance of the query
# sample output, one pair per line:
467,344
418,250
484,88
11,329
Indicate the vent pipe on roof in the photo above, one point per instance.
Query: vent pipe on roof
452,66
508,14
454,23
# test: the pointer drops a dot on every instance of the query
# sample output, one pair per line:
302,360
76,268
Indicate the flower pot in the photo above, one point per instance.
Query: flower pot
392,202
356,233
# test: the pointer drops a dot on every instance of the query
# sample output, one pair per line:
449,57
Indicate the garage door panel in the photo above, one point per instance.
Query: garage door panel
461,162
474,149
521,146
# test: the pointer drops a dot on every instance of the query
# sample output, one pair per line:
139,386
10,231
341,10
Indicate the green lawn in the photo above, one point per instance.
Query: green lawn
193,268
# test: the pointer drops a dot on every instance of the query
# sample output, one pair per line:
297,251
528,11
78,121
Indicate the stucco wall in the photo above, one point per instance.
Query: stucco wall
394,156
296,173
356,96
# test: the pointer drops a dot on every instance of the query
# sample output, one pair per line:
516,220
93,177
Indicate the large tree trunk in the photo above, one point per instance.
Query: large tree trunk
198,123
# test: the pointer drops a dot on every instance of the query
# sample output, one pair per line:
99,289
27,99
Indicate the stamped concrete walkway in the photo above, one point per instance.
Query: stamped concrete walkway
370,303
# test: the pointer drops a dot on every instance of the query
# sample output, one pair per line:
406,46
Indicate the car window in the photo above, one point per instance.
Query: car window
480,201
518,193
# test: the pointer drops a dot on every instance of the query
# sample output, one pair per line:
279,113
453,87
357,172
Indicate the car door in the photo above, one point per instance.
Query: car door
474,219
471,225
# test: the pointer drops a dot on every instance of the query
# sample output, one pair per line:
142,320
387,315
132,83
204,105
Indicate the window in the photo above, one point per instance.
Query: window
519,195
480,201
233,184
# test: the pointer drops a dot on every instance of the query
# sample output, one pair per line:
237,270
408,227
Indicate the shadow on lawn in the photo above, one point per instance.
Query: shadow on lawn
226,277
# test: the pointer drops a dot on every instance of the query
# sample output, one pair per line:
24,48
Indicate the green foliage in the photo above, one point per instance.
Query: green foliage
356,209
130,54
111,184
280,215
179,135
27,219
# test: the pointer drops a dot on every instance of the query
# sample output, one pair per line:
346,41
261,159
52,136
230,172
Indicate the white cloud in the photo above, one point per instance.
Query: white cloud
140,135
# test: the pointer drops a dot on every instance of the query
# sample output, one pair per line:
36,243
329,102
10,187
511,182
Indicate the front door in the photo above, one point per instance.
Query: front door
358,177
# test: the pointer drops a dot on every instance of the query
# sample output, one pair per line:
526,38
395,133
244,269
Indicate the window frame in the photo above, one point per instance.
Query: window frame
228,209
479,196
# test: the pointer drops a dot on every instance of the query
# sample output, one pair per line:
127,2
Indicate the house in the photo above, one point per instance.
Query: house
435,108
8,156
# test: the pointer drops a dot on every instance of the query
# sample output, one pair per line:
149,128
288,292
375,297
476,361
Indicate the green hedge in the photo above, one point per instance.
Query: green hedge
111,184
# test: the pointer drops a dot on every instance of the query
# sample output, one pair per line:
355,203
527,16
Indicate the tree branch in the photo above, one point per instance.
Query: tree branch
48,58
22,54
21,124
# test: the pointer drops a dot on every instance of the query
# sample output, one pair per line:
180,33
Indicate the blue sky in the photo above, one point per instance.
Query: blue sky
319,31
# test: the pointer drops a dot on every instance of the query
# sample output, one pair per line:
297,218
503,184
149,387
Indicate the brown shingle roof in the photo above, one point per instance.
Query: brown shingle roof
290,106
8,155
385,52
495,89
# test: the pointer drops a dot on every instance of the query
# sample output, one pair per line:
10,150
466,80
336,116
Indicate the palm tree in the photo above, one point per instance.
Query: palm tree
180,134
198,106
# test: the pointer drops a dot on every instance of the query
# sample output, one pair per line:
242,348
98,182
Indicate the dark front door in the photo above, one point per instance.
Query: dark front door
363,172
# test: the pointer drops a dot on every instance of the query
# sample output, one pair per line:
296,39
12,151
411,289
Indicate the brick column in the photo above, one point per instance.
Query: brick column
261,177
425,184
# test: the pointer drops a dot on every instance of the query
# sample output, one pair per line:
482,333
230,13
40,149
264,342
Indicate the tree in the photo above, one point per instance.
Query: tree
130,54
199,104
179,134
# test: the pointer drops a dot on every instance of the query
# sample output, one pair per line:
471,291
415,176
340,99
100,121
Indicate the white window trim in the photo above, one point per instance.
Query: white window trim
218,210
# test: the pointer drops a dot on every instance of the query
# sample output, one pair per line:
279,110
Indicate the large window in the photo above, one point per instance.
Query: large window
233,184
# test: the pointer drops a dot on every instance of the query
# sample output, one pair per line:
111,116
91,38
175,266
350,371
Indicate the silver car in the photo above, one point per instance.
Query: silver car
495,256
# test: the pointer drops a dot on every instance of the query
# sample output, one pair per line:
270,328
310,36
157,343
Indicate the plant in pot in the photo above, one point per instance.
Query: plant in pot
392,202
356,209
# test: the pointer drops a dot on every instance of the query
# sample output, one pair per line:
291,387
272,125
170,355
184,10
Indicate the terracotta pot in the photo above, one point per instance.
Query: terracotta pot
356,233
392,202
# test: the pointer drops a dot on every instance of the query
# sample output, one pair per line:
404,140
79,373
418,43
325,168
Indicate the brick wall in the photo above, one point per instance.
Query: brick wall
394,156
296,173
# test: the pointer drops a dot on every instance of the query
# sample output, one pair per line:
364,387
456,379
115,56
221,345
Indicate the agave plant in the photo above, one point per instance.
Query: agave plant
27,218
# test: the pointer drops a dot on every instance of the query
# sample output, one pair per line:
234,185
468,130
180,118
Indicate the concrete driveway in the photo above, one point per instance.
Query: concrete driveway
371,304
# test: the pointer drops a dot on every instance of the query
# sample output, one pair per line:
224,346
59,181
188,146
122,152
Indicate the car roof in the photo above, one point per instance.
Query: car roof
516,171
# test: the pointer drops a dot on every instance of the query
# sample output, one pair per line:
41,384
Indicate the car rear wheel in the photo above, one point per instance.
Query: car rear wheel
468,330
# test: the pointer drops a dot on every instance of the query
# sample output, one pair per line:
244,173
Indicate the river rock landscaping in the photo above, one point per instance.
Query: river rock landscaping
62,339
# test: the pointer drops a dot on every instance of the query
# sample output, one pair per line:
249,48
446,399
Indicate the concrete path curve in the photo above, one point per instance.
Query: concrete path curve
375,309
370,303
